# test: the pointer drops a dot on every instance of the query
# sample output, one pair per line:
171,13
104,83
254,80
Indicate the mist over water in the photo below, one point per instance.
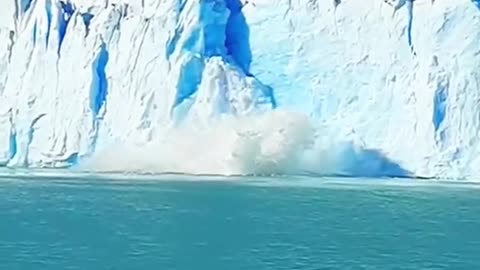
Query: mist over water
272,143
275,143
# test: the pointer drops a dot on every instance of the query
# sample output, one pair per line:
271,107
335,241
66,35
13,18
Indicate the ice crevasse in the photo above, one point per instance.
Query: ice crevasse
344,87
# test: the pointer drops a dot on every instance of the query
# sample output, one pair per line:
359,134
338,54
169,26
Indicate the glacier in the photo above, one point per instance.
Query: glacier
343,87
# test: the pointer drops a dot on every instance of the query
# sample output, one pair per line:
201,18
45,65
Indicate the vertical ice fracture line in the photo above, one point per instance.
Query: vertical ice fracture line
11,36
397,6
410,23
335,5
288,9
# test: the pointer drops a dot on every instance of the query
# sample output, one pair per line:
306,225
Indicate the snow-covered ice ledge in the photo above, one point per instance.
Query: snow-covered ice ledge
398,78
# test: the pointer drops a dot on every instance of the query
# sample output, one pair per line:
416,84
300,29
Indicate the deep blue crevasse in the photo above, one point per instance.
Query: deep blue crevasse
172,43
237,42
191,70
98,96
439,106
87,18
12,140
476,3
12,149
48,10
67,13
26,4
192,67
72,159
410,22
181,5
100,82
190,78
213,38
34,34
237,36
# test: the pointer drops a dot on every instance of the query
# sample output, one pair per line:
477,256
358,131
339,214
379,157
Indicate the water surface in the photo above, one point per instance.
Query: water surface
174,222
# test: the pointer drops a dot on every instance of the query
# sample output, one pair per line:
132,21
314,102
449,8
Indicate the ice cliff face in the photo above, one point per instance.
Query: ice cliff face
398,77
78,72
390,88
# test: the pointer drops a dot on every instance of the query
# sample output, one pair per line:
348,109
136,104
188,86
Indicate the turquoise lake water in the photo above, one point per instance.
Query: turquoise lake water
242,223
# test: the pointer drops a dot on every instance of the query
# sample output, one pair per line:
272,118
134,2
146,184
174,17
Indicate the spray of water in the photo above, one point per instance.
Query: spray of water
277,142
267,144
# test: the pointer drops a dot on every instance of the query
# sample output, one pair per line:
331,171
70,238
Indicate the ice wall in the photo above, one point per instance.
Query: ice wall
394,77
391,87
75,74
